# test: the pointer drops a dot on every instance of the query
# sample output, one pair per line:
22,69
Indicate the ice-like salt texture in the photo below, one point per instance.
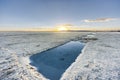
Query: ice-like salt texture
53,63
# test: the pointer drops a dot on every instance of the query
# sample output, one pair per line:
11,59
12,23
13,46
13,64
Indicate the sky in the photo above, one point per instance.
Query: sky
82,14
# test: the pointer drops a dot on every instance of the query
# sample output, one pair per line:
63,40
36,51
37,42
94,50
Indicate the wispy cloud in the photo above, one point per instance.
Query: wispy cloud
100,20
67,24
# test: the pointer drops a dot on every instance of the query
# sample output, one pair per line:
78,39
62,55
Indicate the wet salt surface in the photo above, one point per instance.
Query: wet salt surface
53,63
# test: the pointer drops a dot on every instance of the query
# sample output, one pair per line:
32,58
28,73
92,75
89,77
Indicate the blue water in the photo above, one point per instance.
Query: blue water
53,63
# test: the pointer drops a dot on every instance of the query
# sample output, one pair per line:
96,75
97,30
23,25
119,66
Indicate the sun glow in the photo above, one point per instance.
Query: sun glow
62,29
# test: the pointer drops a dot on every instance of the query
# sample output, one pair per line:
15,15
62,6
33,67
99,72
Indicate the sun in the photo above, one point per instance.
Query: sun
62,29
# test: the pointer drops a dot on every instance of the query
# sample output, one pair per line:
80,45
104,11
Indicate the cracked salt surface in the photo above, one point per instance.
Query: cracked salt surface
54,62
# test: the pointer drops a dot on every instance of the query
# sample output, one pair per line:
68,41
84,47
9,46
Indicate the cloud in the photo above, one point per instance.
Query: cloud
100,20
67,25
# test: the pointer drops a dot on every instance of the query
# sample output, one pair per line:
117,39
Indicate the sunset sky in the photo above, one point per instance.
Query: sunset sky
75,14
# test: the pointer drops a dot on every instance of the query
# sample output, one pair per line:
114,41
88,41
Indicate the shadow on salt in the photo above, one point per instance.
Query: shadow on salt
53,63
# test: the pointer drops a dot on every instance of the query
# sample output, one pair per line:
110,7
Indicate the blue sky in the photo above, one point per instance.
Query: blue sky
49,13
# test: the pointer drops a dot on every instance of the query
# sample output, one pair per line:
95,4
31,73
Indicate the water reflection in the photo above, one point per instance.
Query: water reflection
53,63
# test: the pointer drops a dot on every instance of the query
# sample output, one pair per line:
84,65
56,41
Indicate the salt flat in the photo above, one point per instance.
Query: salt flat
99,60
17,47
